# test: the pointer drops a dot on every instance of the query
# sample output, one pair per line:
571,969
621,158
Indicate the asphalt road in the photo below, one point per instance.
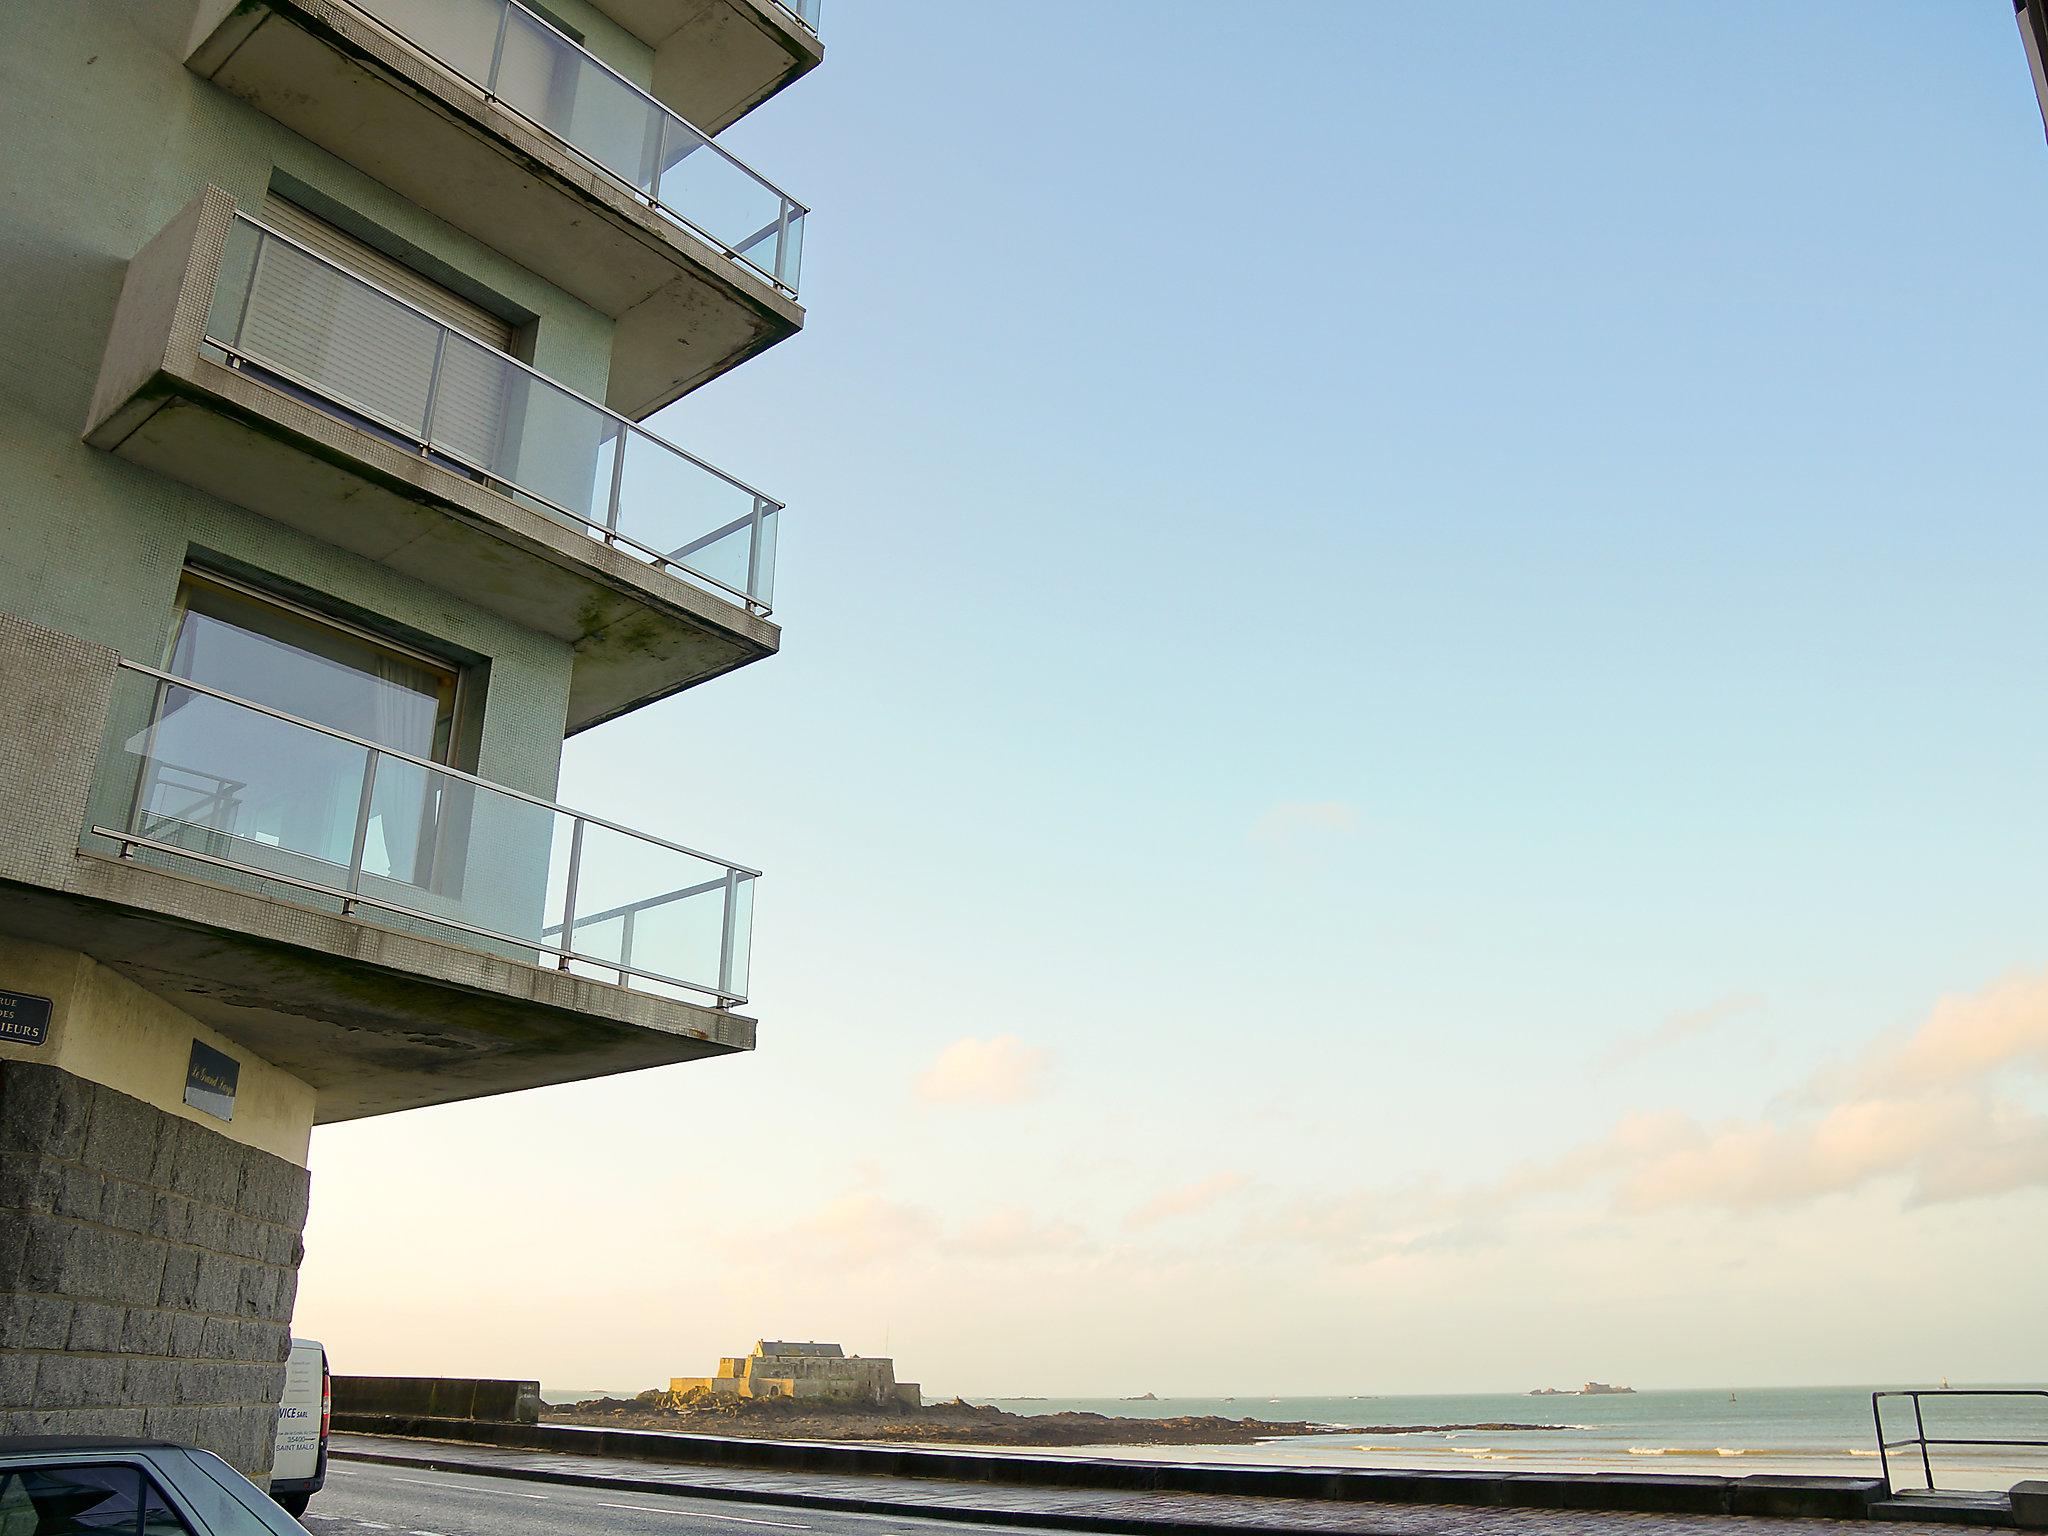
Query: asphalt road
361,1498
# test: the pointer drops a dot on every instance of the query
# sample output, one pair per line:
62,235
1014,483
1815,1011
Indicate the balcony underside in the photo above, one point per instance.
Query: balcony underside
375,1018
164,404
636,640
716,60
684,312
377,1021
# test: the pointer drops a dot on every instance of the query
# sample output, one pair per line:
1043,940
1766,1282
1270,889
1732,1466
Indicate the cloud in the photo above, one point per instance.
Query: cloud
1186,1200
999,1070
865,1228
1298,826
1932,1110
1967,1038
1011,1232
1937,1114
1676,1030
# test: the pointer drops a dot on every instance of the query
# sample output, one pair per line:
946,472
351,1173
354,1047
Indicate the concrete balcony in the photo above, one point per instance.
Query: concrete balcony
389,930
484,114
716,60
251,367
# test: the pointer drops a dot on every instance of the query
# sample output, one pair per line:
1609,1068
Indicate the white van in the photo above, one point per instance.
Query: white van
298,1463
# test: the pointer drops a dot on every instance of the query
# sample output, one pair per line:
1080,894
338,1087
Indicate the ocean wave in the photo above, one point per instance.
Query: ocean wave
1807,1453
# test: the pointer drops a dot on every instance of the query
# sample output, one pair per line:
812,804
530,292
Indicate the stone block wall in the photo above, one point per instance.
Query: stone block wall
148,1267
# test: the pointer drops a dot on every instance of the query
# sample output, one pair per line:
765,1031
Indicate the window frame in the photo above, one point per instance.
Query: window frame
151,1482
441,858
449,728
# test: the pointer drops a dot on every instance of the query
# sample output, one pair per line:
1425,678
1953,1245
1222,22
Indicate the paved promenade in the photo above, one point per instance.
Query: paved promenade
985,1503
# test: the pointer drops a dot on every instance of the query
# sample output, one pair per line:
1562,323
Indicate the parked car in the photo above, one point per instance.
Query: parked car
64,1483
298,1463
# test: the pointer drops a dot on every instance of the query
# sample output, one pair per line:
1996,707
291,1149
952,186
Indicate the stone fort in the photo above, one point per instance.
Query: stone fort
777,1368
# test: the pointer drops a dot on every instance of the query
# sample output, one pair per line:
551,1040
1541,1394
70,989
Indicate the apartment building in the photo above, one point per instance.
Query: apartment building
2032,16
327,333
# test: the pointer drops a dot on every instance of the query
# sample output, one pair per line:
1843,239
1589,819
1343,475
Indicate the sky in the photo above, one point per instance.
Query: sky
1408,753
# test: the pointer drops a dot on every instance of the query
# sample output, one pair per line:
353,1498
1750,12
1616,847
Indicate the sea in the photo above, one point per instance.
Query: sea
1729,1431
1726,1430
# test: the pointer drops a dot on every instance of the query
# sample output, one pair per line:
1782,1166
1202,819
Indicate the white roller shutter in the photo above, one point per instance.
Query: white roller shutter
345,250
369,352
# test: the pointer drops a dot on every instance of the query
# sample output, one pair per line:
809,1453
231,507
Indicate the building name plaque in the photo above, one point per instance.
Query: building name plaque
24,1020
210,1081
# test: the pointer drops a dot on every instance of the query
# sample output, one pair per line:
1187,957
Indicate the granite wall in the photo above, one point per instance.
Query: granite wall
148,1267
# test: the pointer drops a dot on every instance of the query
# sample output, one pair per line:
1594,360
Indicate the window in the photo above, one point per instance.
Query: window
257,648
237,784
84,1501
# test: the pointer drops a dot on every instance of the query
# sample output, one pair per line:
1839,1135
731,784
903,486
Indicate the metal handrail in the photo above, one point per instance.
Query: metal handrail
351,894
790,209
1920,1436
798,8
609,530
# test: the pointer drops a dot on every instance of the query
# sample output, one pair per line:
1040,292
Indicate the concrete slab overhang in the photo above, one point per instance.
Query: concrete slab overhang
377,1020
717,60
684,310
163,402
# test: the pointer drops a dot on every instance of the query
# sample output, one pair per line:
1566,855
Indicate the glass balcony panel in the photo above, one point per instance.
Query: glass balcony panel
649,907
408,844
517,427
545,76
704,521
460,33
306,319
231,782
793,248
739,958
764,562
724,199
442,847
320,329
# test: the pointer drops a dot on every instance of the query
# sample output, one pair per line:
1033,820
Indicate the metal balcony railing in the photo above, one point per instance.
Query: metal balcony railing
257,796
805,11
1923,1441
519,59
284,309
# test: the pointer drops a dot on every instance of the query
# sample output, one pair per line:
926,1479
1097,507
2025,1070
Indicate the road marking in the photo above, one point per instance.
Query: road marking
705,1514
510,1493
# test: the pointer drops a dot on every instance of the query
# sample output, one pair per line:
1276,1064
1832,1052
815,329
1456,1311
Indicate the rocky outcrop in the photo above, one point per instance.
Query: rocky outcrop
955,1423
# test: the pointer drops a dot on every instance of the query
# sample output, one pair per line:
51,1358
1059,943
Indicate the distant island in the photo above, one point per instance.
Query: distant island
1590,1389
1142,1397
